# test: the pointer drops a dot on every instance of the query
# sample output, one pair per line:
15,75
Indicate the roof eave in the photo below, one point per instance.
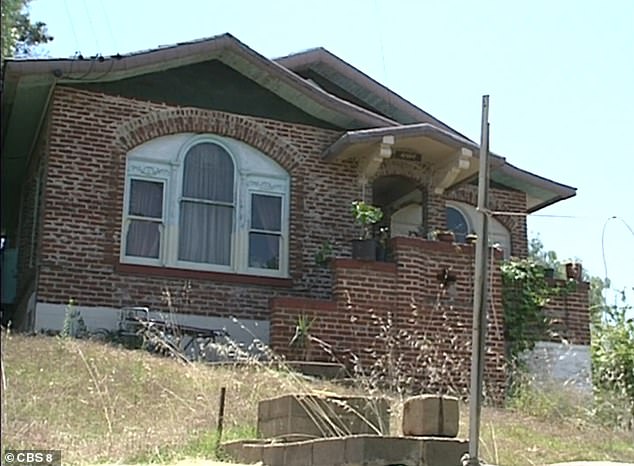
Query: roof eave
318,55
376,134
549,202
226,47
559,191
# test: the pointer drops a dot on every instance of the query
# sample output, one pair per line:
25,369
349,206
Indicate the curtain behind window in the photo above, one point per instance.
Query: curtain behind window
265,234
206,211
146,211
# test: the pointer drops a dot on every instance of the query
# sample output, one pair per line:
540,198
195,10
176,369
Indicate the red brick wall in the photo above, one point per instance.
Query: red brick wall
429,329
568,313
89,138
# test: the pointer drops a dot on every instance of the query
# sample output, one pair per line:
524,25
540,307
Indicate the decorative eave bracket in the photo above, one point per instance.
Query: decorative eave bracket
369,165
445,175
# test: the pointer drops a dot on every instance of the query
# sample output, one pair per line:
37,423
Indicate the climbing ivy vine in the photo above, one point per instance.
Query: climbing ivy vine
525,292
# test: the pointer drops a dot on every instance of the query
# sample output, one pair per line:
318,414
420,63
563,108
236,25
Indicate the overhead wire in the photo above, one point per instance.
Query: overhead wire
112,36
92,28
72,26
504,213
605,224
382,50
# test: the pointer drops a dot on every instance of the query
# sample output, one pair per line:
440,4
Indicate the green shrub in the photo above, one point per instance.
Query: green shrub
613,364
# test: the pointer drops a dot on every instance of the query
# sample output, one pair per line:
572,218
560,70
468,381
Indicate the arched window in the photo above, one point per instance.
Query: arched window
458,223
205,202
207,206
463,219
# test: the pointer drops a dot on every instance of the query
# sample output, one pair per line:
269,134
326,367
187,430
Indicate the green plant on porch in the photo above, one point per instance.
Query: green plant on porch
365,215
302,338
443,235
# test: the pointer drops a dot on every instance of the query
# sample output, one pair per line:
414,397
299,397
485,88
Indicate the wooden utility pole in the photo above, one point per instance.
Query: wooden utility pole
480,293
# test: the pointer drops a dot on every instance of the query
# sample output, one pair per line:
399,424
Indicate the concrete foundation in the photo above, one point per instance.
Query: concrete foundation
355,450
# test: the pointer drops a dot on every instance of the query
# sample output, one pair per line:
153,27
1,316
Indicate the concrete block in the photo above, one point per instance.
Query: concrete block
314,416
364,415
443,451
302,425
431,415
329,452
264,410
250,453
298,454
245,451
272,428
392,450
354,449
277,407
273,455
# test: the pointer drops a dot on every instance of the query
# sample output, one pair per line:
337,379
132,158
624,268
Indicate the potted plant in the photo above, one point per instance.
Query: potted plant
471,238
365,215
382,251
302,338
446,236
574,271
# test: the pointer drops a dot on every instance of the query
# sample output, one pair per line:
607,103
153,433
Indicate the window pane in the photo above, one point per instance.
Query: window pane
205,233
146,198
264,251
457,223
143,239
208,173
266,212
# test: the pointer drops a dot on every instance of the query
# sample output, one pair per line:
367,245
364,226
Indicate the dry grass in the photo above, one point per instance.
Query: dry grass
99,403
514,439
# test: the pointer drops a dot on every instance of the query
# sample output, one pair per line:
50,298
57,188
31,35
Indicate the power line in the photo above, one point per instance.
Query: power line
382,50
605,262
72,27
504,213
112,36
92,28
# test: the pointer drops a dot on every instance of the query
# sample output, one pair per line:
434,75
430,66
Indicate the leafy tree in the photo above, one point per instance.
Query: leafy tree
613,361
538,253
19,34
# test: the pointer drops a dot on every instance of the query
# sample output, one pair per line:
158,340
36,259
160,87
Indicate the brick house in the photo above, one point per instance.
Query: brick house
208,166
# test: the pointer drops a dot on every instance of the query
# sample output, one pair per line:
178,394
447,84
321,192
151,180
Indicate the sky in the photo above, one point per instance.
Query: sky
559,73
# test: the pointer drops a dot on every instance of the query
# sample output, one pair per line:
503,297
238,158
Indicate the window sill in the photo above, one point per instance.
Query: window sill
172,272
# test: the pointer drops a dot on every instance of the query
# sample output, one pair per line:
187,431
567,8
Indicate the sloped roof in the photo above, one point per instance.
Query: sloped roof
369,92
346,98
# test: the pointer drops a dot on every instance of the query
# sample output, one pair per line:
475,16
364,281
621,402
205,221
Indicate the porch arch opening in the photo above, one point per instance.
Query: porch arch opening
402,200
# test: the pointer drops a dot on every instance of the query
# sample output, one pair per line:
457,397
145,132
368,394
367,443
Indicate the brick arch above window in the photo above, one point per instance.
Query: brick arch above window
469,195
393,167
139,130
205,202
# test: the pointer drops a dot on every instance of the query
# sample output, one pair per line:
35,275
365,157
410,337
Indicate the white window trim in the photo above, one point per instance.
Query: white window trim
177,197
127,219
283,262
246,182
